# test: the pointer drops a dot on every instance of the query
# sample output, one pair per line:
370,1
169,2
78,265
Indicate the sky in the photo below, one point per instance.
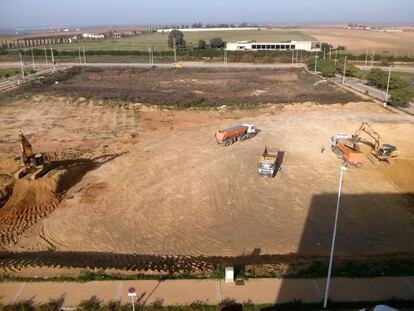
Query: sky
70,13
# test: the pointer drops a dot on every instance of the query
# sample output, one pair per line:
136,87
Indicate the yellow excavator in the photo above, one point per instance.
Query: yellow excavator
32,164
381,151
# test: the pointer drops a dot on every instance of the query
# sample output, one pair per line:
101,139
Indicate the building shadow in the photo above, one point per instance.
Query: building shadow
374,231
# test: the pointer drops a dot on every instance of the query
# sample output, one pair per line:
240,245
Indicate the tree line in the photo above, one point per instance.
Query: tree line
399,89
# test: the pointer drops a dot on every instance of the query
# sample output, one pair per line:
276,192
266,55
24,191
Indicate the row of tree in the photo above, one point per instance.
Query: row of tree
328,68
399,89
178,37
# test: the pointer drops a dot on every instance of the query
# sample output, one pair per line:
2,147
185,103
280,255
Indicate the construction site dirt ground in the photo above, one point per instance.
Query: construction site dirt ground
167,188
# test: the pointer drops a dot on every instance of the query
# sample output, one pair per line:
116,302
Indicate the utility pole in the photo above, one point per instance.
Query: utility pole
343,78
366,58
33,62
225,57
316,60
46,56
328,280
336,56
292,56
21,65
175,50
84,55
388,87
330,52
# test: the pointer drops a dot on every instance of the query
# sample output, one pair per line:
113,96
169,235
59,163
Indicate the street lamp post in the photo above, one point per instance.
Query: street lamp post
21,65
33,62
343,78
175,50
388,87
328,280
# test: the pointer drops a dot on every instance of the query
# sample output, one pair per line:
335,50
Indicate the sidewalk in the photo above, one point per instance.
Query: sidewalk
172,292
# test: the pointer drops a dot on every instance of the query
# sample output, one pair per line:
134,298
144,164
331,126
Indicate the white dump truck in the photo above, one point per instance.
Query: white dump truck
267,164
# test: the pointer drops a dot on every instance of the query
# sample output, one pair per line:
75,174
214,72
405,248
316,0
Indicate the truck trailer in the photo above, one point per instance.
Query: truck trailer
266,165
239,132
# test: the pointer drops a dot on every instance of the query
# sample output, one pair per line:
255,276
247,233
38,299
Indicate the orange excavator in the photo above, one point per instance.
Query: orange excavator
381,151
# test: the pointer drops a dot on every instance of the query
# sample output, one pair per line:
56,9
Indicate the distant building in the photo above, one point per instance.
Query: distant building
209,29
310,46
93,36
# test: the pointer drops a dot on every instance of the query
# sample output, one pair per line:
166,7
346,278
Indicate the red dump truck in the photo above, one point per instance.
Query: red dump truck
239,132
352,156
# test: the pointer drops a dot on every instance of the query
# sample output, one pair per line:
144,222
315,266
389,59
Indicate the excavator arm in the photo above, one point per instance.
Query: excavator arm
26,149
366,128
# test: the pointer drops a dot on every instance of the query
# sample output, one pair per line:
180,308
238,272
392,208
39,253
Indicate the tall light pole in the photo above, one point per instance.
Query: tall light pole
53,57
292,56
175,50
84,55
21,65
225,56
33,62
316,60
328,280
330,52
388,87
336,56
366,58
80,59
46,56
343,77
373,58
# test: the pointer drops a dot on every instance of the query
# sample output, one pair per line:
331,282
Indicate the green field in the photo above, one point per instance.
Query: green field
8,72
159,40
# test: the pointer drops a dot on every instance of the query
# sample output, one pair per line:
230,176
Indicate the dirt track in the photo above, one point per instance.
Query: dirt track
174,191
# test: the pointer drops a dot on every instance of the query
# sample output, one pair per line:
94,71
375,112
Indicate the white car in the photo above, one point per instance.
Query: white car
379,308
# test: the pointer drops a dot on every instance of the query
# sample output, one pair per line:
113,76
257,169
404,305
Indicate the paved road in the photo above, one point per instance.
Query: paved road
172,292
15,81
400,68
359,85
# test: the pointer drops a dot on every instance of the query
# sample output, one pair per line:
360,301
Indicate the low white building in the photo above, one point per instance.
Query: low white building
310,46
92,36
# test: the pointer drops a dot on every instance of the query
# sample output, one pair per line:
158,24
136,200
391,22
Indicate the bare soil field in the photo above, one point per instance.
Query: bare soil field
188,87
360,40
163,187
140,187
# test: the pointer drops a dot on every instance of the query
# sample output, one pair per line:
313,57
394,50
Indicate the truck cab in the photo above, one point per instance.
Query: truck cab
251,129
266,165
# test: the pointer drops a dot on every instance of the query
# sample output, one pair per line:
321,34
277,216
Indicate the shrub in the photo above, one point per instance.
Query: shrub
327,67
401,97
91,304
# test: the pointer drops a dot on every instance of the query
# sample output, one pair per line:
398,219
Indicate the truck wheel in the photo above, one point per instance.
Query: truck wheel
226,143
